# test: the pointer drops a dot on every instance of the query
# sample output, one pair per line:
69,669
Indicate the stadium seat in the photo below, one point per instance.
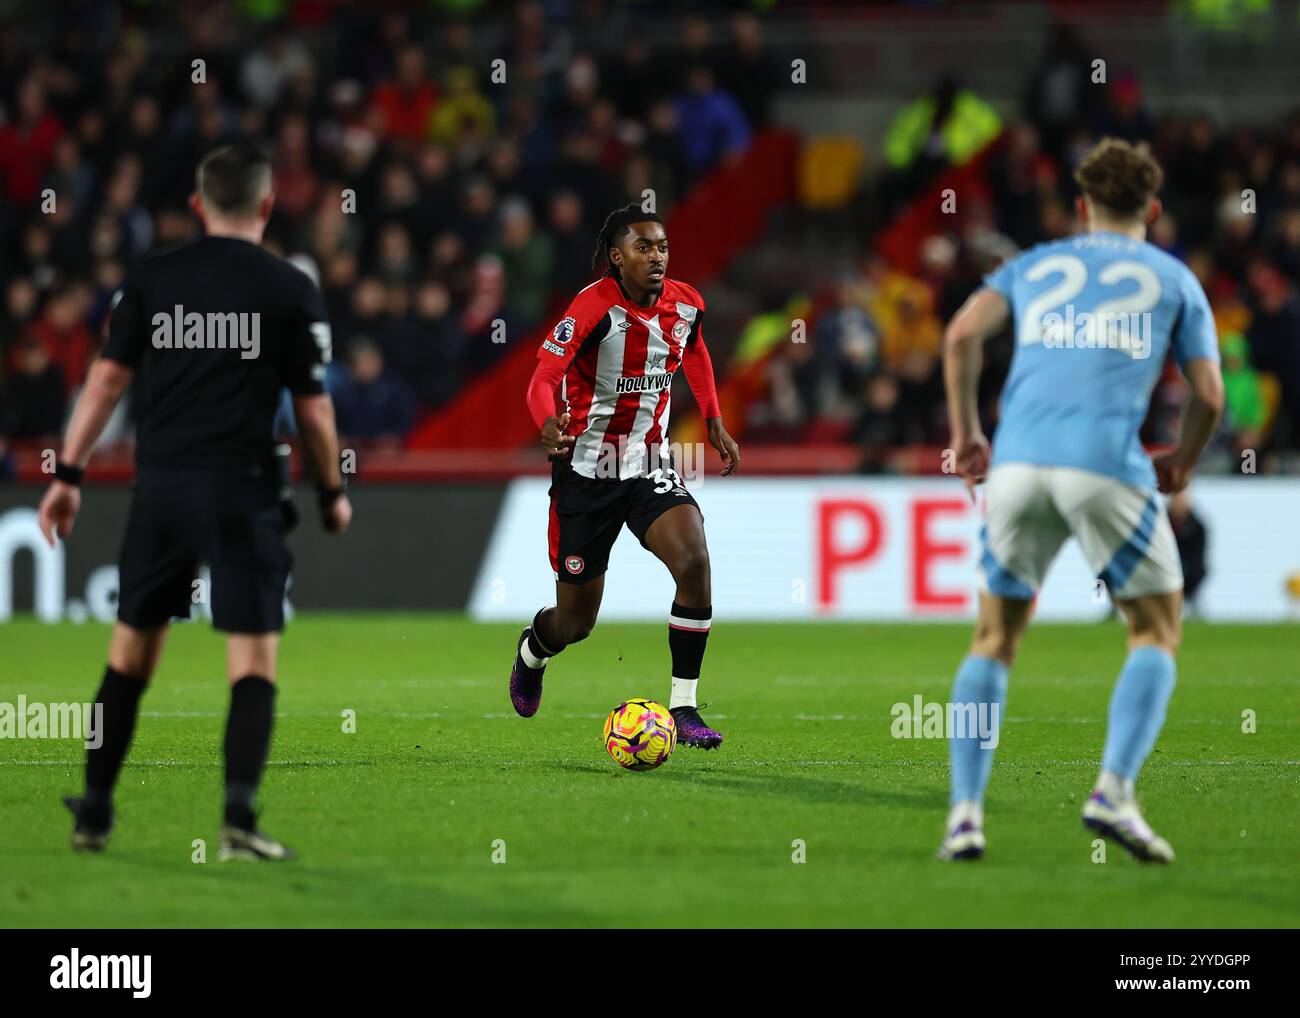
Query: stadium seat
829,167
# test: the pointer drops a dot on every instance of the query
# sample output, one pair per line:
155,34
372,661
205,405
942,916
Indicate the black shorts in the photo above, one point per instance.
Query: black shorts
587,515
228,517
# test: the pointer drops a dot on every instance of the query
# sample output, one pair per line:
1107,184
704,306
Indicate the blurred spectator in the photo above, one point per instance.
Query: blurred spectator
464,116
629,79
526,256
27,143
21,301
1274,336
1123,113
268,70
712,124
428,347
34,399
1061,91
1245,410
572,240
748,71
403,105
945,127
1020,177
63,336
879,427
371,401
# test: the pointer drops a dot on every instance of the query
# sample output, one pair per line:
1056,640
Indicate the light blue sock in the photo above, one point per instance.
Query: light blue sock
1137,709
980,680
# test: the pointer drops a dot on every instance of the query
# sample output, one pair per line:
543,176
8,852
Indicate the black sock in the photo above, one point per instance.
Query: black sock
248,740
535,643
688,632
118,703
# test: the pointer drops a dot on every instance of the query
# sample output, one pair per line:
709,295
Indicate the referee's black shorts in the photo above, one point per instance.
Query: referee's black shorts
228,517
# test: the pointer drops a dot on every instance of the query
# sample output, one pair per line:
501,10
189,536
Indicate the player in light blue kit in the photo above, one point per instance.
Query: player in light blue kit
1095,317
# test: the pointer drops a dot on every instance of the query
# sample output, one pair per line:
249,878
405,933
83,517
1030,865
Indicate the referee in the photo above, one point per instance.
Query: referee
214,328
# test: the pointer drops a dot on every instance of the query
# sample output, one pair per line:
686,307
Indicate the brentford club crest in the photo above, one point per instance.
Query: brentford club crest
574,564
680,330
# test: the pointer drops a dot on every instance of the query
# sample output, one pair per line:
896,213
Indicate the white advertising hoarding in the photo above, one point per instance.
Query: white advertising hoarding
883,548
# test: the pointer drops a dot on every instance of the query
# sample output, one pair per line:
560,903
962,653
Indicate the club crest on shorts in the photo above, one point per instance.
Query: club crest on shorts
564,330
574,564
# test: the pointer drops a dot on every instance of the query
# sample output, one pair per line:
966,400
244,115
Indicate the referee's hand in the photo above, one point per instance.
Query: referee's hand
59,510
338,516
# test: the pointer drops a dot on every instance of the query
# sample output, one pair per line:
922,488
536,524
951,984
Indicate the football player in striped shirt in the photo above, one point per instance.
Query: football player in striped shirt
600,397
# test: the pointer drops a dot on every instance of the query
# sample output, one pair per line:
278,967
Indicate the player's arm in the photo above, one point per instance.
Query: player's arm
543,404
106,384
1200,418
983,315
553,359
698,366
1195,346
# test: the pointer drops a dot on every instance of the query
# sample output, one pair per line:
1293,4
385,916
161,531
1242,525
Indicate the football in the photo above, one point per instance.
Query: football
640,734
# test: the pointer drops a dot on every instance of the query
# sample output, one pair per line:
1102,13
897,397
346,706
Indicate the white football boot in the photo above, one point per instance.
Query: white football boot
965,838
1123,823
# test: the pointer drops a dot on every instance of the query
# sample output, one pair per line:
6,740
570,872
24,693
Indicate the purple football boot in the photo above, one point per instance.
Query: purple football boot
525,682
691,729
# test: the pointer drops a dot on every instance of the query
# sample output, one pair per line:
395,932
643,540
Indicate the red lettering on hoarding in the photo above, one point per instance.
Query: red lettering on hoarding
926,551
832,557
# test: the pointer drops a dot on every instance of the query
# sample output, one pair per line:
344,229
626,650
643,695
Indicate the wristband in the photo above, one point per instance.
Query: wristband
67,473
325,499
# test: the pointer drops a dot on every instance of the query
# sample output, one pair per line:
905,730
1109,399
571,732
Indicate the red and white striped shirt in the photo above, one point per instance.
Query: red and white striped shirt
612,363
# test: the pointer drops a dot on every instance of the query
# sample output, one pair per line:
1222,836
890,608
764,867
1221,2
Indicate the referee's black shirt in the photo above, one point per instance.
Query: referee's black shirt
209,373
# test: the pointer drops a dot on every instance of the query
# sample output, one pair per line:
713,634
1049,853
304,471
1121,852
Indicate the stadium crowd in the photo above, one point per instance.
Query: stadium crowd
428,203
1231,211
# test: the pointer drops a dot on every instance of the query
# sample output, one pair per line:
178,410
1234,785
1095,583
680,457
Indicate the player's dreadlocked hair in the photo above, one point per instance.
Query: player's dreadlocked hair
615,226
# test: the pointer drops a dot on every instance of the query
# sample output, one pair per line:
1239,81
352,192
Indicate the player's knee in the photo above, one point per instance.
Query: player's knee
1155,622
691,571
995,641
575,628
1167,634
580,630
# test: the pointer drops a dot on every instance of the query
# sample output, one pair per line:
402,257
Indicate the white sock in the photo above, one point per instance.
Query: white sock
531,659
683,693
1115,787
966,809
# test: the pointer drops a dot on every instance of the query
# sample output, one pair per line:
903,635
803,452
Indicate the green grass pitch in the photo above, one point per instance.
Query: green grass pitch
396,823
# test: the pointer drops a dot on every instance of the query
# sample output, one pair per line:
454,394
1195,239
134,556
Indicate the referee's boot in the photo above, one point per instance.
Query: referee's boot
242,841
92,825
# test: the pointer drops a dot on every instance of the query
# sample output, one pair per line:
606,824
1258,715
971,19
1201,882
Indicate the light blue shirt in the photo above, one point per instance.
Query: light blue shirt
1095,316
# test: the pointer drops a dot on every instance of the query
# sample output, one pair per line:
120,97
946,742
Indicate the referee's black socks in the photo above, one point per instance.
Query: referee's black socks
248,740
118,703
